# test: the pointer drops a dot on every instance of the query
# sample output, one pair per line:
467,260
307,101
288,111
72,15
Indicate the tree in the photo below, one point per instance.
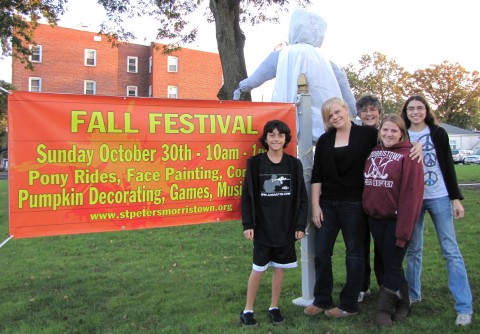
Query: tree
380,76
3,112
18,21
172,16
453,91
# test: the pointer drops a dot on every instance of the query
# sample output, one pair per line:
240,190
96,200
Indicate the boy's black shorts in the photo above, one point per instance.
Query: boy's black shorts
279,257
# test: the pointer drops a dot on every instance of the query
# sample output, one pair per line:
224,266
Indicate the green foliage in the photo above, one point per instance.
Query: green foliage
173,15
453,92
380,76
173,20
192,279
3,112
18,21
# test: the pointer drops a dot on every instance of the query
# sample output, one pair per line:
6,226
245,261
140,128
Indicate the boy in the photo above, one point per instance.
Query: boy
274,215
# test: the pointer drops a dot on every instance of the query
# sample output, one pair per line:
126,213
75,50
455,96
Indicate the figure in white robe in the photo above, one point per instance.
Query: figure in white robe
303,55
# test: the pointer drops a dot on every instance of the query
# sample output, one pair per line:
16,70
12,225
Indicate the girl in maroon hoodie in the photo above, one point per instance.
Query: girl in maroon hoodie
392,199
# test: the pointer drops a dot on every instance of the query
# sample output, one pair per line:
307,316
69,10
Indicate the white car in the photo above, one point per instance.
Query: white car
459,155
473,158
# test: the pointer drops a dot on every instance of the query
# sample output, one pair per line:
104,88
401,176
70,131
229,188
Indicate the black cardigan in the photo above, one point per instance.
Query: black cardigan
445,160
346,185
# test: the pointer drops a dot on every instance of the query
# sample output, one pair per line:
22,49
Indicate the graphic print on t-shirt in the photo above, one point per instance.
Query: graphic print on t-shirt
433,178
379,160
429,160
275,184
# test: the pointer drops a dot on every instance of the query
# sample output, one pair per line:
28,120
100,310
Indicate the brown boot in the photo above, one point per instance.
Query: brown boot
402,307
385,307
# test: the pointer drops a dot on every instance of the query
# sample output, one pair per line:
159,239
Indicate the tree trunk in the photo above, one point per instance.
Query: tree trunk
231,42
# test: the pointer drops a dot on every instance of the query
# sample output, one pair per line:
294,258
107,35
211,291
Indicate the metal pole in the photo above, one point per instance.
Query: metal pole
4,90
6,240
305,154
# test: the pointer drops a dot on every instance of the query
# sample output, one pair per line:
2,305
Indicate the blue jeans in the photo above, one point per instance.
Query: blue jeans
440,210
350,219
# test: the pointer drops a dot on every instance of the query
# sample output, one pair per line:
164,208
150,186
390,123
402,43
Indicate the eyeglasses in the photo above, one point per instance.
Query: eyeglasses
419,108
367,110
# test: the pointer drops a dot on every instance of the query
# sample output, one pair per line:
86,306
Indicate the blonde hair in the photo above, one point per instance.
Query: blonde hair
398,121
326,110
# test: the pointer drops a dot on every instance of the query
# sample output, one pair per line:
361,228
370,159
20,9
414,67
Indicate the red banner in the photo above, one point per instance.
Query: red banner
82,164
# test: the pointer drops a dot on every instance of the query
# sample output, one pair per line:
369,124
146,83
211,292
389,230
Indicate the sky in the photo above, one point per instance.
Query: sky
414,33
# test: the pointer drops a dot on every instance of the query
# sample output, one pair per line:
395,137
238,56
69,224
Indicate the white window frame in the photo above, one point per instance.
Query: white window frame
30,84
150,64
85,87
36,51
172,64
135,64
88,53
132,89
150,91
172,92
453,144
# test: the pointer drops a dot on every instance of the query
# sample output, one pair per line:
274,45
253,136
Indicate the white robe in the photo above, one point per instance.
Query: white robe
303,55
322,83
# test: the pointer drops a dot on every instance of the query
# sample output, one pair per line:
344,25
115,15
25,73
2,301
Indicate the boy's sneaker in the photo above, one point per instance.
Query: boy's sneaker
247,319
463,319
362,295
276,316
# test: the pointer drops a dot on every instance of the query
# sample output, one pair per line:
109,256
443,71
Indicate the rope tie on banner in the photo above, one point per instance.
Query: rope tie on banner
6,240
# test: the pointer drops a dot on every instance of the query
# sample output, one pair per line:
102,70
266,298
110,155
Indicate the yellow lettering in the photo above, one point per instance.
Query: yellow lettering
153,121
96,122
170,123
185,120
128,123
75,120
42,156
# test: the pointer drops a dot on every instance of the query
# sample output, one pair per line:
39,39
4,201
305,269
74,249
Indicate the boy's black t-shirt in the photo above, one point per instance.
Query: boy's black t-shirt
275,227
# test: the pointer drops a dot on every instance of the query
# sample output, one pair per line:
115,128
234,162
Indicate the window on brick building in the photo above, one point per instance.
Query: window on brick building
172,64
89,87
150,91
90,57
172,92
36,56
132,90
34,84
150,64
132,64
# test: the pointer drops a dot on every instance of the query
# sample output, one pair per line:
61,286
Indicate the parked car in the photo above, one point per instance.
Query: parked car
460,155
473,158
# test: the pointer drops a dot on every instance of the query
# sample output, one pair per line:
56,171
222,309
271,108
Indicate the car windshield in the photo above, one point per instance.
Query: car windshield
455,151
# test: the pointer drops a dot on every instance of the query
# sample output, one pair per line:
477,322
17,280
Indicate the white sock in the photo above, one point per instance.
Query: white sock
247,311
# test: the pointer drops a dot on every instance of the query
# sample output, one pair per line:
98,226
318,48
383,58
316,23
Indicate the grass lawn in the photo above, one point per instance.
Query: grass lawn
192,279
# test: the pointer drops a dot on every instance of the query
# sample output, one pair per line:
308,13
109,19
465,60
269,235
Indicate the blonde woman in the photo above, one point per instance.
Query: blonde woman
337,185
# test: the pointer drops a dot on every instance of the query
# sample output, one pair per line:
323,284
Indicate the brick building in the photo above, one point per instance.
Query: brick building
81,62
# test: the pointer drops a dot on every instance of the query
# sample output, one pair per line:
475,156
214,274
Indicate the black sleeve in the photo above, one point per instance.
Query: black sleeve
247,200
303,201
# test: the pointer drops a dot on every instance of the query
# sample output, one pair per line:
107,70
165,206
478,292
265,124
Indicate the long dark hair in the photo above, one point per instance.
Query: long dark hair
429,117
